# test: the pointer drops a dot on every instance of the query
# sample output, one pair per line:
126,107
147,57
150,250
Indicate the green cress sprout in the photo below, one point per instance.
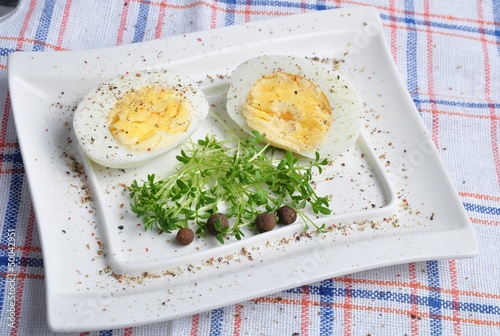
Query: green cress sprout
243,176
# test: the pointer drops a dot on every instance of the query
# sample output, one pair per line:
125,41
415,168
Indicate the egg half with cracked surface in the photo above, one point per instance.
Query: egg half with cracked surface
297,104
135,117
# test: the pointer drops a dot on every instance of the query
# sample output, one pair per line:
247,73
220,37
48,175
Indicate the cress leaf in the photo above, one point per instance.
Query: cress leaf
241,174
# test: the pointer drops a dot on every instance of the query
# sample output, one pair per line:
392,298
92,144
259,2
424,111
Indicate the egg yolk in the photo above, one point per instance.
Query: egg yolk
142,119
289,110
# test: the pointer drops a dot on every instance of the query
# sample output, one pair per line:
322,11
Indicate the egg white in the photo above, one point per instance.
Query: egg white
90,121
344,100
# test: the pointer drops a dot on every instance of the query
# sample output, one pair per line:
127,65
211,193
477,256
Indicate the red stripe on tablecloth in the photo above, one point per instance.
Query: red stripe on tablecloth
195,324
237,319
123,22
421,92
21,40
413,297
161,18
484,221
24,275
347,307
437,32
378,309
25,25
455,298
12,171
394,31
480,196
418,286
128,332
28,240
303,6
487,92
3,128
466,115
64,22
430,74
22,248
248,10
304,311
213,17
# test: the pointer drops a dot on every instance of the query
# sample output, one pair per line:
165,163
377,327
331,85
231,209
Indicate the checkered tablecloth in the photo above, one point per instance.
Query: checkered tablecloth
459,103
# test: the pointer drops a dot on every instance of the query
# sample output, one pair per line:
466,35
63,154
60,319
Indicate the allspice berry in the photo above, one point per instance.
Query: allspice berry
286,215
185,236
217,217
265,222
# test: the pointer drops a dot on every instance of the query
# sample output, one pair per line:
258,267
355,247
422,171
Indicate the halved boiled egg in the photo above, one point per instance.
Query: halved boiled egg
136,117
298,104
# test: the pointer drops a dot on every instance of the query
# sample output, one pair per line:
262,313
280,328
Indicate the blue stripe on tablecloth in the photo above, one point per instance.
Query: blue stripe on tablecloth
411,53
6,51
411,19
476,308
12,211
326,307
434,299
14,196
106,333
230,8
321,5
44,25
456,103
216,319
10,221
29,262
142,19
496,17
285,4
15,157
482,209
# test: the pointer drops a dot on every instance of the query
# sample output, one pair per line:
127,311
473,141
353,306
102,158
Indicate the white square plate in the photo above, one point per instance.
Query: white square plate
392,199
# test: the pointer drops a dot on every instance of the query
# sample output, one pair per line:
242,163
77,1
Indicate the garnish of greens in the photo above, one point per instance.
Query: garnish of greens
240,177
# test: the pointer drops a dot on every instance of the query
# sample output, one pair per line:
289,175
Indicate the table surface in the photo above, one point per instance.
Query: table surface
459,105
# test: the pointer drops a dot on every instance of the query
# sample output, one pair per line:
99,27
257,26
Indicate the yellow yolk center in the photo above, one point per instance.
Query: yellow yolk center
142,119
289,110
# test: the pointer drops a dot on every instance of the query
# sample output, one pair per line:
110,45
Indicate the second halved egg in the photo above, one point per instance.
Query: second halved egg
298,104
